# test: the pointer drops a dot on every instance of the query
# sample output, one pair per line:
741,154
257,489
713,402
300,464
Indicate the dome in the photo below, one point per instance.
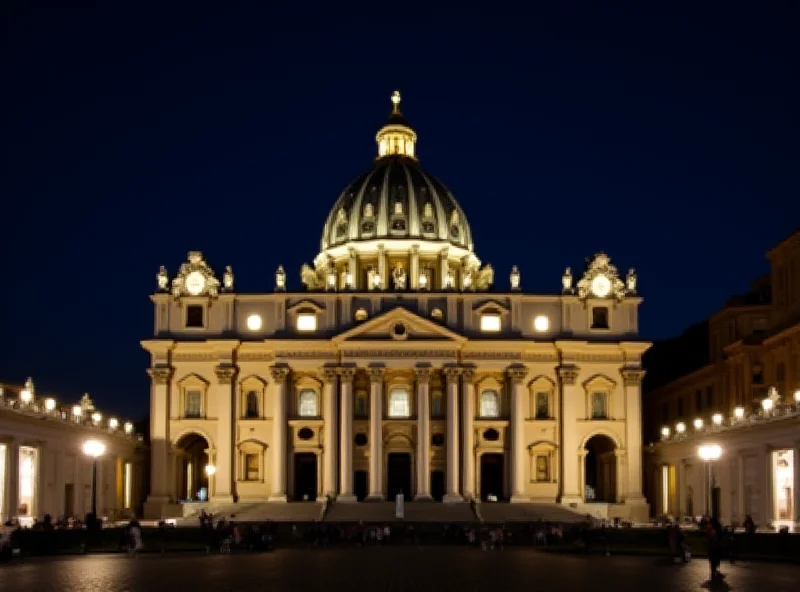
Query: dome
396,198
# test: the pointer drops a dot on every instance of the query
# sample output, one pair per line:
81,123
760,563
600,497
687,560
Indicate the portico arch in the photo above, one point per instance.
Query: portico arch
191,459
600,468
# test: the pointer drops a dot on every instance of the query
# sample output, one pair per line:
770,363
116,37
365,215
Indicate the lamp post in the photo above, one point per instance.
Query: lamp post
210,471
709,453
94,449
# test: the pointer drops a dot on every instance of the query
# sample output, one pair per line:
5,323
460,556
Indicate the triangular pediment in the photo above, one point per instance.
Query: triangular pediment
399,325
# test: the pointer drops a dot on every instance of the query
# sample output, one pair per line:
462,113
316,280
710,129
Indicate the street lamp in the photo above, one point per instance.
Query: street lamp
94,449
210,472
709,453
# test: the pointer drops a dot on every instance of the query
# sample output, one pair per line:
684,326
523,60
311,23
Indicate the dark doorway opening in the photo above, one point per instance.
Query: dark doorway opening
491,476
437,485
305,476
398,475
69,500
360,485
601,470
193,481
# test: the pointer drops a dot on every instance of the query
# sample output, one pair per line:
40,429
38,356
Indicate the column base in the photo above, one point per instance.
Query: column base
346,498
520,499
376,497
221,499
453,498
278,498
423,497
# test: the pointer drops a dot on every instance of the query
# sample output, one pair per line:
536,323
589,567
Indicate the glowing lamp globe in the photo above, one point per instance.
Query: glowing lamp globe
113,423
94,448
709,452
717,419
738,413
767,404
665,432
797,396
49,404
698,424
211,470
25,395
680,427
128,427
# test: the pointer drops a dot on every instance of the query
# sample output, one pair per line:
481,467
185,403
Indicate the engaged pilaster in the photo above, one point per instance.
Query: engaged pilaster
376,433
571,406
452,373
519,451
161,377
223,477
346,375
279,436
632,380
423,373
467,419
330,414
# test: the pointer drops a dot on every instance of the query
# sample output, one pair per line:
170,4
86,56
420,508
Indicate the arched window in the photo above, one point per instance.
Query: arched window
490,404
399,405
437,409
308,404
252,405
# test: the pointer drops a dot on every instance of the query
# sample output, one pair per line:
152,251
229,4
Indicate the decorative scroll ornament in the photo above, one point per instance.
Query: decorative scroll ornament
196,278
485,277
601,280
313,279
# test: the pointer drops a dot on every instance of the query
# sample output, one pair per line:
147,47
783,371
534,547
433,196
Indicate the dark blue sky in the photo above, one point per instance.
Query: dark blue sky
667,139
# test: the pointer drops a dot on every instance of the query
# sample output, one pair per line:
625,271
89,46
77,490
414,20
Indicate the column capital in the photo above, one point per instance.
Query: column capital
376,373
517,373
632,376
279,373
452,373
468,373
225,373
568,374
347,373
330,374
160,374
423,373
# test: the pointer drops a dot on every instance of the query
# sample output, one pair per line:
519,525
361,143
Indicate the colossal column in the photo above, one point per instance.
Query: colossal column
223,478
632,379
519,452
452,373
468,416
571,459
346,439
331,416
423,433
161,376
279,437
376,433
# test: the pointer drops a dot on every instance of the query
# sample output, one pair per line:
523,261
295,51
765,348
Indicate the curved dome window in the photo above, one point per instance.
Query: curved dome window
305,433
369,211
398,208
341,224
367,227
428,227
491,435
398,225
437,314
427,211
455,232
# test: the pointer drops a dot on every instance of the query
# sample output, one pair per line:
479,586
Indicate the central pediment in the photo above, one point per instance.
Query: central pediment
399,325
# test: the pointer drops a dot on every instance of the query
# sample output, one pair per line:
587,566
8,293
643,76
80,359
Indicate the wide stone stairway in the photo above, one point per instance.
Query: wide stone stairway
413,512
260,512
505,512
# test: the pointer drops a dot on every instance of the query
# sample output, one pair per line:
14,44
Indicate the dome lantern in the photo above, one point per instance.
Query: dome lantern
396,138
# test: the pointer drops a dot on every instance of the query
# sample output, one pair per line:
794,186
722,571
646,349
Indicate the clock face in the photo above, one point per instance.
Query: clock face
601,286
195,283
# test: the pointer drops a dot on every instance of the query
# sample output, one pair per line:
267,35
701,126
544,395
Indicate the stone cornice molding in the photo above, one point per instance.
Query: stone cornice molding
226,373
279,373
517,373
160,374
569,374
632,376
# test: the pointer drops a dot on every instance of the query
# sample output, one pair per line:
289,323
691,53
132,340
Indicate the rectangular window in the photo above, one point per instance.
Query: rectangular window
306,322
680,407
127,490
490,322
600,317
361,405
194,316
436,405
308,404
599,406
709,397
698,401
399,405
542,468
665,412
251,467
192,404
542,406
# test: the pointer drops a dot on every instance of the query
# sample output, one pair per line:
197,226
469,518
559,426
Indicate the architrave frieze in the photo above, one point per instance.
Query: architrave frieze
255,356
492,355
399,353
193,357
306,354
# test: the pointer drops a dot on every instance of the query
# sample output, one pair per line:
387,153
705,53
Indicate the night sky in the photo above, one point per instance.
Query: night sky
131,136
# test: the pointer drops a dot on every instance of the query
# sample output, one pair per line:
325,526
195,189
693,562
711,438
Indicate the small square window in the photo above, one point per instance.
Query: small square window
542,468
490,322
542,404
600,317
251,467
306,322
195,316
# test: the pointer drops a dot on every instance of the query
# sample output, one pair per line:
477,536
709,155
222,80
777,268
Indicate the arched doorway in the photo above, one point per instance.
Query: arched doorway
601,470
491,476
192,480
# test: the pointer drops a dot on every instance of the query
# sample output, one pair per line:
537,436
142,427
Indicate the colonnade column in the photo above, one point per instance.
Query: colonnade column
423,433
452,373
223,477
467,418
330,413
161,376
632,379
571,459
444,268
382,271
376,433
519,451
414,268
279,436
346,437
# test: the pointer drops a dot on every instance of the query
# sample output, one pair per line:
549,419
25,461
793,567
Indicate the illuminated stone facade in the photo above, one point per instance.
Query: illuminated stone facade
398,368
43,469
745,399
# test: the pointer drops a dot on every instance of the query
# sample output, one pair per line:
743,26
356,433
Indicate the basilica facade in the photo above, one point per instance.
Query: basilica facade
399,368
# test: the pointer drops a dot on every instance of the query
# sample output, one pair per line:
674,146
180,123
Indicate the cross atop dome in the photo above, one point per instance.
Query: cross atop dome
396,102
